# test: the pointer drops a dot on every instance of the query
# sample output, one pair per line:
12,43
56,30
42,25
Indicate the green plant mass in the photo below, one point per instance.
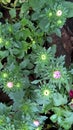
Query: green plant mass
36,81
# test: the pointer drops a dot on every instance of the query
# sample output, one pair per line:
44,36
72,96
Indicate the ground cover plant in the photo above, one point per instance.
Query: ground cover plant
39,84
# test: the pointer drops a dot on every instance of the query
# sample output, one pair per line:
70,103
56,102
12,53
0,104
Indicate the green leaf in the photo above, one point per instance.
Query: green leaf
24,63
47,107
53,49
3,54
36,4
59,99
35,81
35,16
12,12
69,117
24,8
69,6
49,39
44,24
54,118
17,96
4,109
58,32
70,13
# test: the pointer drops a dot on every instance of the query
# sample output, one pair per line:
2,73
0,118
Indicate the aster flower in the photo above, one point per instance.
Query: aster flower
57,74
71,93
36,123
60,10
46,92
59,13
10,84
43,56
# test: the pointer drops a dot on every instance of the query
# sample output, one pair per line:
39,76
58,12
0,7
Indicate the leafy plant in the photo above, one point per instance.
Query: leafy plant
35,80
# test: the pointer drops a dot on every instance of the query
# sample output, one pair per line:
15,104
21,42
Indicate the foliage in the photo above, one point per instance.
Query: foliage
30,74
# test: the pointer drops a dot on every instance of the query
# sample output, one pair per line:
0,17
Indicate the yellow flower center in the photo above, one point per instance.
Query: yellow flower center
46,92
43,57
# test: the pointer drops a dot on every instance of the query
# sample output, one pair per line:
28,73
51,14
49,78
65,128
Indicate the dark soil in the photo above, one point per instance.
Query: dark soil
64,44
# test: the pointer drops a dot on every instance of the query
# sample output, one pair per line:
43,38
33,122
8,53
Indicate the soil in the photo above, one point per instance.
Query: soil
64,44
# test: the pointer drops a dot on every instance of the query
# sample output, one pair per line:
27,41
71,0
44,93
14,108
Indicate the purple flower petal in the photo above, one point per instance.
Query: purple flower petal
71,93
56,74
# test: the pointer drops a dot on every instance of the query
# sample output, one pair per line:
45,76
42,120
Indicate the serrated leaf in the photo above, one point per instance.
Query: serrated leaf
17,96
69,6
4,109
59,99
24,63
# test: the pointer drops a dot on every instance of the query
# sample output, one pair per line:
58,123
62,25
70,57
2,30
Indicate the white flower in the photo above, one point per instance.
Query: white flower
36,123
46,92
10,84
59,13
